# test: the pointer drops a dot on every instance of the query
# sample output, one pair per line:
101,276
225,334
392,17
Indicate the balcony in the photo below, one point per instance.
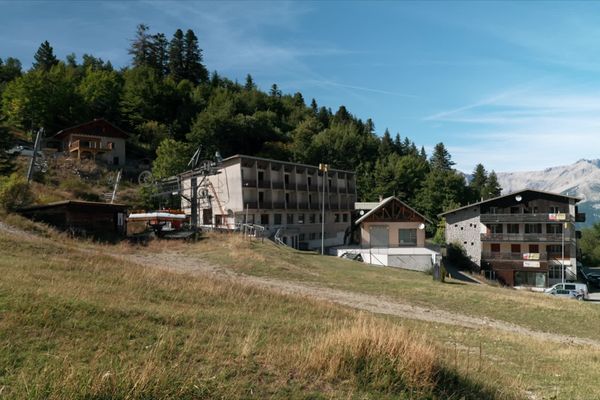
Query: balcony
264,184
303,205
277,185
524,237
313,188
509,256
249,183
278,205
514,218
252,205
92,146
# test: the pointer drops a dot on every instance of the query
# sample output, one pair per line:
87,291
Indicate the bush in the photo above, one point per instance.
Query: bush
14,192
457,256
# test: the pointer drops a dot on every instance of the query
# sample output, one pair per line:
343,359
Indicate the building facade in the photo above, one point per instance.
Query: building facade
391,234
283,197
526,238
97,139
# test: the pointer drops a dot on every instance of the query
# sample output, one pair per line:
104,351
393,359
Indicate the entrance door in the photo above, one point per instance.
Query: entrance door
379,236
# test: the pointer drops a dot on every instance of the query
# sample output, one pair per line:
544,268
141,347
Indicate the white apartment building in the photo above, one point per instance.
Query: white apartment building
276,195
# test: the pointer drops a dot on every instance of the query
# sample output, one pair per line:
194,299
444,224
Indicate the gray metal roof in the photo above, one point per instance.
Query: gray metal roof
383,202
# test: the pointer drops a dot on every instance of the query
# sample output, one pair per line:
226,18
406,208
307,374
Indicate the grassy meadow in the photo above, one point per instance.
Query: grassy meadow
78,321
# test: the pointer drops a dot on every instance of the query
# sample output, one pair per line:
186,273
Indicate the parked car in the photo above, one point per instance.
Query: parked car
569,294
26,151
592,278
580,289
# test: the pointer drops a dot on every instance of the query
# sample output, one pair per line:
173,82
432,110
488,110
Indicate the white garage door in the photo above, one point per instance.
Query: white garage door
379,236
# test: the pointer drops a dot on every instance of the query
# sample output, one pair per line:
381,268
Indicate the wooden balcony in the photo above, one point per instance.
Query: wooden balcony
516,218
509,256
524,237
89,146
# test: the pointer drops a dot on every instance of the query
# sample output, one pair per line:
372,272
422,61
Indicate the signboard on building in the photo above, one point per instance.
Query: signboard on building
531,256
531,264
557,217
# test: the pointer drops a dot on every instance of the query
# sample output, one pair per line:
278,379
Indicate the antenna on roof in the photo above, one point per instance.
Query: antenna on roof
195,160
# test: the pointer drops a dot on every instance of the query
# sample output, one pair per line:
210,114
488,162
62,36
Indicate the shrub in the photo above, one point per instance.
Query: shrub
14,192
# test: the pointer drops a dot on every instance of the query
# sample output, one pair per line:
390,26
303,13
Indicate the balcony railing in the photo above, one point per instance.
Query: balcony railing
264,184
90,145
248,183
303,205
509,256
508,218
313,188
253,205
524,237
277,185
278,205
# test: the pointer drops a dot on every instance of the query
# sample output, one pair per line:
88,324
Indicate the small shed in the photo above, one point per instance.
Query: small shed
82,218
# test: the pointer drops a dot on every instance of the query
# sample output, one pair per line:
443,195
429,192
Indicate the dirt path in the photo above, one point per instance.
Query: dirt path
173,261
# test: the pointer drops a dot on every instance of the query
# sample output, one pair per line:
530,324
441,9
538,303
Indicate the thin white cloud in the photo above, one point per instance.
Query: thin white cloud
362,88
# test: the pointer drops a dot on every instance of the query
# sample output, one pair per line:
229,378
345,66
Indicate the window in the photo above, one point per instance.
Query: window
312,236
309,180
555,271
329,183
534,248
300,218
407,237
495,247
116,160
553,210
277,219
264,219
496,228
493,210
554,249
515,248
526,278
533,228
312,218
310,199
261,197
515,210
512,228
345,217
320,218
287,198
289,218
301,236
261,176
286,179
337,218
554,228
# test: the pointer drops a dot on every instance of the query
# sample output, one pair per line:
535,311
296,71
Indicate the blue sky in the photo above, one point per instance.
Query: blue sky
513,85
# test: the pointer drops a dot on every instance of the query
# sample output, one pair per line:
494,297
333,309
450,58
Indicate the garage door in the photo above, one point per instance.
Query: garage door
379,236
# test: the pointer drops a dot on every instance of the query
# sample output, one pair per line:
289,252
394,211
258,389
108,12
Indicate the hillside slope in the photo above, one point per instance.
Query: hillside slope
233,318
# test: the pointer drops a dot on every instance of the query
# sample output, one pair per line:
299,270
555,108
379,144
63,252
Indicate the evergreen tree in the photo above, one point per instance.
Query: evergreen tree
314,107
492,187
159,53
440,159
195,71
342,115
274,92
6,160
423,154
398,146
249,85
72,60
478,182
141,46
386,145
44,57
9,70
176,56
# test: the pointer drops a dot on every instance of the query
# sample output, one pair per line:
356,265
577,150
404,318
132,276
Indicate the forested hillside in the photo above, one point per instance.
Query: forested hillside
171,104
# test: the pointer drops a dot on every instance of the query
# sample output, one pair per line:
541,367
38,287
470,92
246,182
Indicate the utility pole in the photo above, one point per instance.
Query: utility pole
323,168
38,137
114,193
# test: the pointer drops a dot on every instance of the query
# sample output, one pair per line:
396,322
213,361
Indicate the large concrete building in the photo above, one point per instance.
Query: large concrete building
283,197
518,238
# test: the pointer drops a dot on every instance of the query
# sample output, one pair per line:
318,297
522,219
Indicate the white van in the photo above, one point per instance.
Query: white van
578,287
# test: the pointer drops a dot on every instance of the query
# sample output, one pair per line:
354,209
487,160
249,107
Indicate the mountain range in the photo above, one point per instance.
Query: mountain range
581,179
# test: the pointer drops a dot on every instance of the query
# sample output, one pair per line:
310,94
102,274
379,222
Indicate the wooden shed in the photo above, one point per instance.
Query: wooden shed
82,218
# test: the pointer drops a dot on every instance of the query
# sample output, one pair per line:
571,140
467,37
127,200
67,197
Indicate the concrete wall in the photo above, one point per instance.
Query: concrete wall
463,227
393,228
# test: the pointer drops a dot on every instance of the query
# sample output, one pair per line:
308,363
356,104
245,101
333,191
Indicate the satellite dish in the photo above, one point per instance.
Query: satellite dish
362,212
422,226
518,197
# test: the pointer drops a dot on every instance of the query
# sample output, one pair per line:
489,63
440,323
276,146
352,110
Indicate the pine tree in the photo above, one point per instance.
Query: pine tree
440,159
423,154
274,92
249,83
386,145
195,71
398,146
314,107
492,187
478,182
176,65
141,46
158,54
44,57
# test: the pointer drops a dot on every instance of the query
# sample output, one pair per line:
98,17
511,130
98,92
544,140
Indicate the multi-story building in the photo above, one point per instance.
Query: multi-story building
526,238
276,195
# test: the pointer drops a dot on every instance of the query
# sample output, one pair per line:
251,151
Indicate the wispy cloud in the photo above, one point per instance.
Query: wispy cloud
361,88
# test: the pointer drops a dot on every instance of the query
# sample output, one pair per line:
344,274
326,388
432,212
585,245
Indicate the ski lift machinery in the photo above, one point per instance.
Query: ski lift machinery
198,171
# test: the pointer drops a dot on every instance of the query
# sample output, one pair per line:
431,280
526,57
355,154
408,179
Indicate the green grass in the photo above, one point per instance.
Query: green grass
80,324
533,310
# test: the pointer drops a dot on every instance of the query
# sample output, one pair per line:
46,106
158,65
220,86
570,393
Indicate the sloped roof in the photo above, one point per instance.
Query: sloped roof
577,199
97,127
383,203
